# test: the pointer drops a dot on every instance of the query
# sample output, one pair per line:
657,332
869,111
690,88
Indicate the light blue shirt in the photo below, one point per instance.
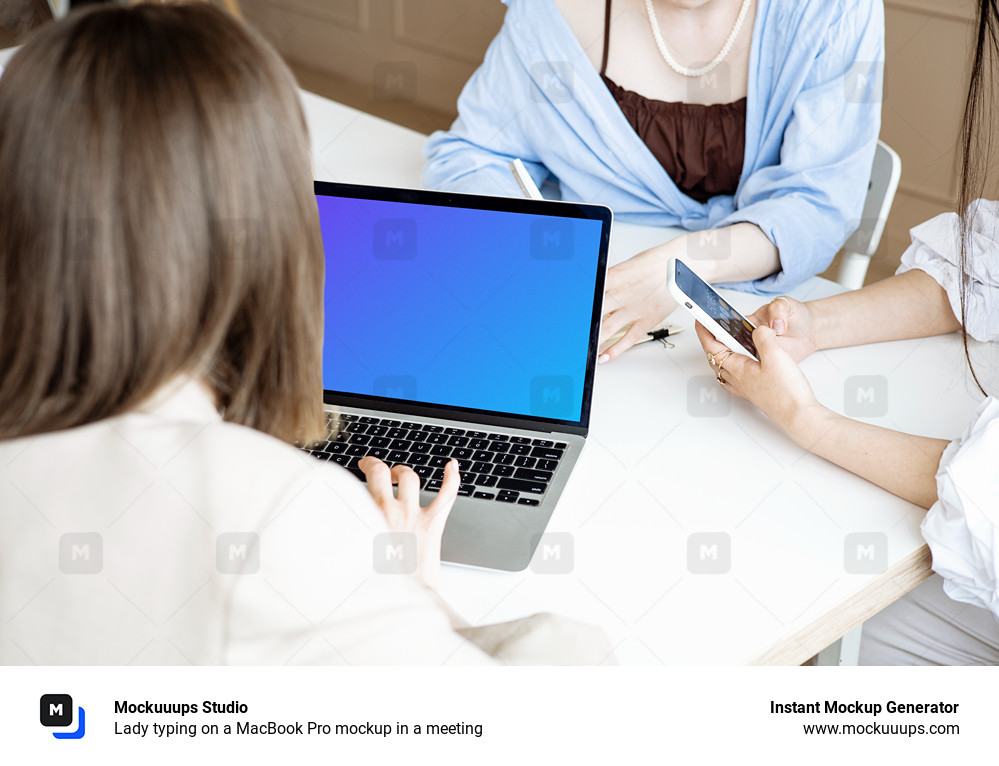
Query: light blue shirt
813,117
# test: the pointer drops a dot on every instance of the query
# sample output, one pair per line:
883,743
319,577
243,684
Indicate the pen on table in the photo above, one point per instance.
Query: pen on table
524,180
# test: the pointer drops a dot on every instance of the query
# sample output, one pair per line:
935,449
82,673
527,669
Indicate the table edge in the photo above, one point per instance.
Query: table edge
892,584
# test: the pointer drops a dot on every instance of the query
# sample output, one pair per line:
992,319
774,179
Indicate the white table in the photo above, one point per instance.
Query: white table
649,478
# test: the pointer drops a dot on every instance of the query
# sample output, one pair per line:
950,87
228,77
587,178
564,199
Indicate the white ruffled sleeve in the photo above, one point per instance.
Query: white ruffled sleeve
936,249
962,527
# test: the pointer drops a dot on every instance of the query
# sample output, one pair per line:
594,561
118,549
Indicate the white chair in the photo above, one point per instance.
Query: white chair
857,252
858,249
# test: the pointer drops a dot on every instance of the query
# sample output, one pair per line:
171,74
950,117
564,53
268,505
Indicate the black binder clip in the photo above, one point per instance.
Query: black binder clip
661,336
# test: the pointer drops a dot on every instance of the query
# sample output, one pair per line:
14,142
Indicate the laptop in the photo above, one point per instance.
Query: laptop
463,326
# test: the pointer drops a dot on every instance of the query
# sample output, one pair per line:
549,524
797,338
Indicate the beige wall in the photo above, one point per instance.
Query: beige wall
928,45
925,71
408,59
396,58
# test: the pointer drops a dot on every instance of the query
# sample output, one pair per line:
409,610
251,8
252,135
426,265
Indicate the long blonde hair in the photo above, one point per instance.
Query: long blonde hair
157,218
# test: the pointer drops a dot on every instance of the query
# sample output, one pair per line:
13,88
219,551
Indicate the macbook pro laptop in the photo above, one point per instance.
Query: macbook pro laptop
463,326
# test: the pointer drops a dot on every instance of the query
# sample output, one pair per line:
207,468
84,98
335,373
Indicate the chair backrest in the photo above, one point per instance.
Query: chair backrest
885,174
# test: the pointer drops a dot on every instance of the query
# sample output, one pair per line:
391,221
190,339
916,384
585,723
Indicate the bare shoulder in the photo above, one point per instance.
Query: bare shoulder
586,20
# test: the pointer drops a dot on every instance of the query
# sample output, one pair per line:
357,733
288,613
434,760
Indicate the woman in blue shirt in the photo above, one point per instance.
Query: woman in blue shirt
637,106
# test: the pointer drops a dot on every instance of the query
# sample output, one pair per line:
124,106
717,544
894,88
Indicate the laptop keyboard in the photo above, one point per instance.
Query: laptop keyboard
500,467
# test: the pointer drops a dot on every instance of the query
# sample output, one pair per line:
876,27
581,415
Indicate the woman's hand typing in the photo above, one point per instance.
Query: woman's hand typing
404,513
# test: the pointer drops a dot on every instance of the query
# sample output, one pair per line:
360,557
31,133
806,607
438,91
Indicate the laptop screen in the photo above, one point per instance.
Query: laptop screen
445,300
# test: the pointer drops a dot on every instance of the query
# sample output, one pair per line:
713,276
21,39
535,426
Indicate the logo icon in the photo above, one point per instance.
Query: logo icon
56,710
554,553
237,553
706,399
551,239
553,396
394,553
865,552
81,553
395,81
551,81
865,396
394,239
709,553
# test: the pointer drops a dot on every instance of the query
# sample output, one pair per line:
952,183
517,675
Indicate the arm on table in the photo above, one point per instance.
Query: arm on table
636,292
901,463
909,305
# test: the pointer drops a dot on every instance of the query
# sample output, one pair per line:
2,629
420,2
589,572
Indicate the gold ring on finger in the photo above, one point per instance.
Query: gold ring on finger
721,362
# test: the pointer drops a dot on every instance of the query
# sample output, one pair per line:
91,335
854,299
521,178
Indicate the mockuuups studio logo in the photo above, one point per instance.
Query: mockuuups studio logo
395,386
394,553
553,396
56,711
709,553
860,232
865,553
553,554
865,396
707,399
394,81
233,235
551,239
551,82
394,239
81,553
714,87
709,245
237,553
864,82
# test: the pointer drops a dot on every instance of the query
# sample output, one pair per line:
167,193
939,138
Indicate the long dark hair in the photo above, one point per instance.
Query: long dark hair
976,146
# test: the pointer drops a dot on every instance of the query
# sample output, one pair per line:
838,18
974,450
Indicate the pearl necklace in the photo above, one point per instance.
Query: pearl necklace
661,44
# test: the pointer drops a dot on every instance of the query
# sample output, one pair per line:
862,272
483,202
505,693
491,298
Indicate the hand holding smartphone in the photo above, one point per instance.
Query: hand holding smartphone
698,297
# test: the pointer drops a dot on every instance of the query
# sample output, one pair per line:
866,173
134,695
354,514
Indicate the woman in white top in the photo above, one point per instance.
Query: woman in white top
161,275
948,281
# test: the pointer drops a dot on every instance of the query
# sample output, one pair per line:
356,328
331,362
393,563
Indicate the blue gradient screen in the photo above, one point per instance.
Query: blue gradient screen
459,307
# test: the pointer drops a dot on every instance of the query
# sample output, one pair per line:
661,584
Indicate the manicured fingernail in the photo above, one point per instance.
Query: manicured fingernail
779,326
603,358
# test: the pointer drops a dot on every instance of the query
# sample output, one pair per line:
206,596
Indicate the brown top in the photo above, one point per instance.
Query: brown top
700,147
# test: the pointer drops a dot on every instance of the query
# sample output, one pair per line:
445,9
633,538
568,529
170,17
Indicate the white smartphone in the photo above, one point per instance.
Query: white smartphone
524,180
727,325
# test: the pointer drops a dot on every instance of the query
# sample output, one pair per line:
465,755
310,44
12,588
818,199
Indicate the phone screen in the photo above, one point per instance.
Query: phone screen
712,304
